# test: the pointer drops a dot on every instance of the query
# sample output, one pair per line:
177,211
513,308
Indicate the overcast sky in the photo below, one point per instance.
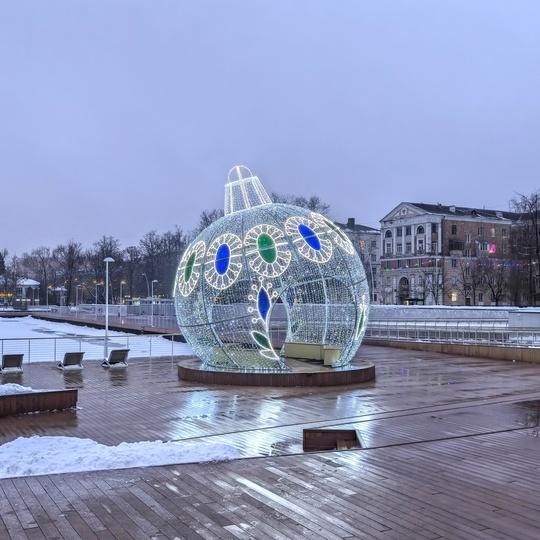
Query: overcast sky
118,117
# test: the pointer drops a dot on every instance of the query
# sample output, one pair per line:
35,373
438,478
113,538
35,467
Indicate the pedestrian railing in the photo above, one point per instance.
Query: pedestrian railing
492,332
53,348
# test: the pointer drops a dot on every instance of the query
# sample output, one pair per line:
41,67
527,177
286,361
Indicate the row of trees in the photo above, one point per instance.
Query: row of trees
71,274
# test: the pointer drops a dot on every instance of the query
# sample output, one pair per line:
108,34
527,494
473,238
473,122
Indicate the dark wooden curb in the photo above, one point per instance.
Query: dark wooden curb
48,400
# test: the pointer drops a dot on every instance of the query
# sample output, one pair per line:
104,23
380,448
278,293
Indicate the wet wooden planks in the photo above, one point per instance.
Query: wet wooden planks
424,490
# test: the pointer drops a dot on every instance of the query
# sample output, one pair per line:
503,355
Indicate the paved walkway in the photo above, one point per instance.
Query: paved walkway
451,450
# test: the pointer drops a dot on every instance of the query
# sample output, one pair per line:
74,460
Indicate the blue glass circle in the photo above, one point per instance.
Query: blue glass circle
309,235
223,259
263,303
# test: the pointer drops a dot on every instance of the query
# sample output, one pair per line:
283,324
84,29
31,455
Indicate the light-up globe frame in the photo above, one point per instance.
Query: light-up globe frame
264,260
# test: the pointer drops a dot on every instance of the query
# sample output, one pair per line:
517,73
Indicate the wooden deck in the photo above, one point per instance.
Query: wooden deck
451,450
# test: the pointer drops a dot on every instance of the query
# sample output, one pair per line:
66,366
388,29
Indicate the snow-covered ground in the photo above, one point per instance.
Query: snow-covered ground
28,456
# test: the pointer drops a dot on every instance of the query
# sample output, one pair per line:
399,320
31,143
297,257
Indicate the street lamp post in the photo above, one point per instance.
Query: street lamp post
122,282
95,303
147,286
152,300
77,300
107,260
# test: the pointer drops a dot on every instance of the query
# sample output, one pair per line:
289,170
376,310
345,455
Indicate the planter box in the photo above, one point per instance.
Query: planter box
316,440
52,400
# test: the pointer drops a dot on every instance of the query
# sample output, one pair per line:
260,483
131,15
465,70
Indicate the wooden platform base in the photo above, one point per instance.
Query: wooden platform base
301,374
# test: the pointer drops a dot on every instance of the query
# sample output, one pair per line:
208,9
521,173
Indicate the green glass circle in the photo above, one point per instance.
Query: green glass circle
267,248
189,267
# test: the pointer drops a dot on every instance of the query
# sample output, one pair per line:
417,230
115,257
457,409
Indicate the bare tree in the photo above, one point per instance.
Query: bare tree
470,280
69,258
527,242
495,278
313,203
39,264
206,218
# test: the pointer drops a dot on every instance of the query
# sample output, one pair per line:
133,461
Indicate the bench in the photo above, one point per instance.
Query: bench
329,354
117,358
72,361
12,363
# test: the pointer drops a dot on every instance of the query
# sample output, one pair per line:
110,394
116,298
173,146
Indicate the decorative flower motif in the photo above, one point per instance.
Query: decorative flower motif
265,249
309,238
335,233
262,298
223,264
189,269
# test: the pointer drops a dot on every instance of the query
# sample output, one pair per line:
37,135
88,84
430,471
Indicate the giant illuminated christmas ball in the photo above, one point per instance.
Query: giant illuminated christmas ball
261,265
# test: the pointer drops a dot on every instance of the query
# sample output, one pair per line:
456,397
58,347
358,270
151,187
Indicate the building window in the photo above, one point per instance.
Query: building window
420,246
420,230
454,229
374,244
504,249
388,234
388,265
468,253
388,248
467,271
407,231
480,296
454,263
480,231
399,248
408,263
399,231
484,246
433,228
492,231
434,247
408,247
503,233
468,238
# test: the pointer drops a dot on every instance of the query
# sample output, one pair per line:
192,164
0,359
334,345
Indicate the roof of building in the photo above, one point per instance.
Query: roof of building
356,227
464,211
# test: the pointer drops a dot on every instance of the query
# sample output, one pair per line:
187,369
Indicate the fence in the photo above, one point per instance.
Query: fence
53,348
475,332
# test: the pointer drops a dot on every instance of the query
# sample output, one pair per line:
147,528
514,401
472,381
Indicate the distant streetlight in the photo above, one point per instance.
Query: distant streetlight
107,260
95,303
122,282
147,286
77,299
152,318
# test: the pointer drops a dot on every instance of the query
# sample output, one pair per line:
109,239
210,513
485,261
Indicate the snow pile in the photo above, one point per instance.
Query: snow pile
12,388
30,456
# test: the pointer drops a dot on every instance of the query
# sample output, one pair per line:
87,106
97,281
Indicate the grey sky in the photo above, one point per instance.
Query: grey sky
118,117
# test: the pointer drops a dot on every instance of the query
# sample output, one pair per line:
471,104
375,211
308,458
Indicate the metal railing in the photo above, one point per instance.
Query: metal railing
53,348
477,332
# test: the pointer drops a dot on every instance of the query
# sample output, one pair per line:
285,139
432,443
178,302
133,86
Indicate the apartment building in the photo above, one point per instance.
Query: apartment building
449,255
366,241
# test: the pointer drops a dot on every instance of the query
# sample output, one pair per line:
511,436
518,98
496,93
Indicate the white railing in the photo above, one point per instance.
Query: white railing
475,332
53,348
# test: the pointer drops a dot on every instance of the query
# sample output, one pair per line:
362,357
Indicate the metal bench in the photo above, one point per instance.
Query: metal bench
12,363
117,358
72,361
